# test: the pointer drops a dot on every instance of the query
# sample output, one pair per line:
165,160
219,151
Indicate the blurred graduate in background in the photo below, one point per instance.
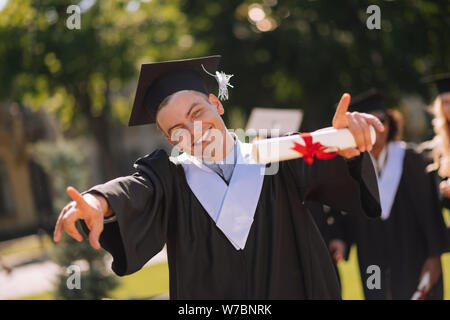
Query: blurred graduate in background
437,150
406,242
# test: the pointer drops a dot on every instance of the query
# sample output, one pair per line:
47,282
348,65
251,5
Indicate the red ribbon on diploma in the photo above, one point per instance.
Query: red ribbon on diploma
310,149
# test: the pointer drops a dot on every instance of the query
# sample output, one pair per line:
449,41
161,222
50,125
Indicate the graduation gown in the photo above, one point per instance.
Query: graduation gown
284,256
326,220
400,244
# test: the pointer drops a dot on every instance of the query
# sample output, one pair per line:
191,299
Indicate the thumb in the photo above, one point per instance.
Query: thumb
76,196
340,118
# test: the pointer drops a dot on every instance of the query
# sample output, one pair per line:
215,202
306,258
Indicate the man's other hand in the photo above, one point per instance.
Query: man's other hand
358,124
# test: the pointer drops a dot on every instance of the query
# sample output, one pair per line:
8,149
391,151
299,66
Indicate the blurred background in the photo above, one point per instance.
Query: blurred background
66,95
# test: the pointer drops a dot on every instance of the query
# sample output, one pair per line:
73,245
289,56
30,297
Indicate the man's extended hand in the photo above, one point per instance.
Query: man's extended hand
358,124
90,208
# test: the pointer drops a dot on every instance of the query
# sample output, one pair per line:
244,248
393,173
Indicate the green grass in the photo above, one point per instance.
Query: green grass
350,277
351,281
149,282
154,280
26,246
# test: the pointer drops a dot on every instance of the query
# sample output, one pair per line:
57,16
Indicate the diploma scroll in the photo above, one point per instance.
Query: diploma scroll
420,293
320,144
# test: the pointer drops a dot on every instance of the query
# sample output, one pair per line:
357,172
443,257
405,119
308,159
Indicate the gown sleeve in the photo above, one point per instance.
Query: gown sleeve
141,203
348,185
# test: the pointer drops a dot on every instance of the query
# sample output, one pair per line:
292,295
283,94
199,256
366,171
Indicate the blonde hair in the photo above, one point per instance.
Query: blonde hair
441,142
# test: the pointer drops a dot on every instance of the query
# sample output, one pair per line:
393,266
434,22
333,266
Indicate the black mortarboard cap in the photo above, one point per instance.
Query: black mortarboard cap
161,79
442,82
369,101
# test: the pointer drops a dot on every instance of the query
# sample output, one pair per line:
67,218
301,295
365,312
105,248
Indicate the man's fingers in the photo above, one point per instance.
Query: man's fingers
94,235
68,222
349,153
76,196
58,231
59,227
375,122
357,132
365,131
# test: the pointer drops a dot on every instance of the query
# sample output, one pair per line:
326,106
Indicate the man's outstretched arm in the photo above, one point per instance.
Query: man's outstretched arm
141,204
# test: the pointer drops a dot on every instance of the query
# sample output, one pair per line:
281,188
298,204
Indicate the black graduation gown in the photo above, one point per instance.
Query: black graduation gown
284,257
400,245
325,219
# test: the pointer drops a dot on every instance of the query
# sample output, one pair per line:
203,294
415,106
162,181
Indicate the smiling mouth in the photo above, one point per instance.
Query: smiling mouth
205,137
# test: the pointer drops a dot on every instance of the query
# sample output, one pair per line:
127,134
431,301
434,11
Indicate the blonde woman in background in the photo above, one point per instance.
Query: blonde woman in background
438,149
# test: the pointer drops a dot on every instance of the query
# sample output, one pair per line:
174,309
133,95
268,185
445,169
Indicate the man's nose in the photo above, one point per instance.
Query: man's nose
195,128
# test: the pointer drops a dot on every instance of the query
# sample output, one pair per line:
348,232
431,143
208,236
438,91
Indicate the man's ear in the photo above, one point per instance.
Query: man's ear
170,141
216,102
165,135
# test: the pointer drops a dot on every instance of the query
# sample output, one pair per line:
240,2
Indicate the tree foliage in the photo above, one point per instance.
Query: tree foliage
303,54
316,50
67,164
84,75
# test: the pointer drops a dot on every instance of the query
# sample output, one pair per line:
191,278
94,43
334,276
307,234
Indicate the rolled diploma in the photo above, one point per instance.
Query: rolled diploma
280,148
423,283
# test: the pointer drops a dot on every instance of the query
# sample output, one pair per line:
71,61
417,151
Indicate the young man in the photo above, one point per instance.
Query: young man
406,243
231,231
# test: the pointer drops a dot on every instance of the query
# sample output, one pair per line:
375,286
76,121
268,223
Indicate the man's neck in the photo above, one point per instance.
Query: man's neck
228,146
381,158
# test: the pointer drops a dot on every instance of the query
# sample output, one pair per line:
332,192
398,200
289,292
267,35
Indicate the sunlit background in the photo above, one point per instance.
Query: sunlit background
66,95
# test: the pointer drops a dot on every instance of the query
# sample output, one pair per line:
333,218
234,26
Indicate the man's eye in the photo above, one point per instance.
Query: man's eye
196,113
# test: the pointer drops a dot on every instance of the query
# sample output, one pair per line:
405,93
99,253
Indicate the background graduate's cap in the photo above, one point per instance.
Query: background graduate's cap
161,79
369,101
442,82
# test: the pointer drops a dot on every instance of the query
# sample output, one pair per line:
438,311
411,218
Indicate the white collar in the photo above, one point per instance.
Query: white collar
381,160
232,207
390,177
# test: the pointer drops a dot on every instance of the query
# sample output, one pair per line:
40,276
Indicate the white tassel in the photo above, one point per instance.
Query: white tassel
224,82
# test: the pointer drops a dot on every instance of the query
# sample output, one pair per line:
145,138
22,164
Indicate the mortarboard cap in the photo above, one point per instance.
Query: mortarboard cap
442,82
161,79
369,101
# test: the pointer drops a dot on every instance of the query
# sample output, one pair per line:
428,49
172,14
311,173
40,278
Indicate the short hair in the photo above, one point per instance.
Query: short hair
395,122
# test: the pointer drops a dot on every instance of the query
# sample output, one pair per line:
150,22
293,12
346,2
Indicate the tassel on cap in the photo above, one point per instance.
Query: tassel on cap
223,81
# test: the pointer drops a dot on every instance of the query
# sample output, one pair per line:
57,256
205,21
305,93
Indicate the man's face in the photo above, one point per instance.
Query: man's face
193,122
381,139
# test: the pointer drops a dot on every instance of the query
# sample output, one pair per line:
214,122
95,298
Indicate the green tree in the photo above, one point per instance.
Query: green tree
307,53
67,164
85,75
